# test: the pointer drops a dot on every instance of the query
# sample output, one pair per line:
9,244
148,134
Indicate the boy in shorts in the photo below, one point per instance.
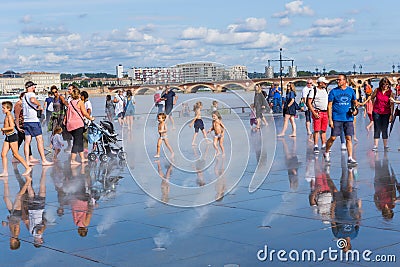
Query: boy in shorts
11,140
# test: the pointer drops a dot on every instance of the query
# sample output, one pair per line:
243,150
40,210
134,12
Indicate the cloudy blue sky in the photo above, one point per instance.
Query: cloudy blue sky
94,36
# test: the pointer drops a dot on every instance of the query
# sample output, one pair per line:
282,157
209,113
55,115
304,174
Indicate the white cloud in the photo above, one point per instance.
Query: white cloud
39,30
327,28
31,40
236,35
216,37
249,25
268,40
294,8
285,22
134,35
53,58
194,33
26,19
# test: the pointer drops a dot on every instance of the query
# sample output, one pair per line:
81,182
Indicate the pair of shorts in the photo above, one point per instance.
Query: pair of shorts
120,115
320,124
11,138
198,124
168,109
32,128
339,126
308,113
36,203
253,121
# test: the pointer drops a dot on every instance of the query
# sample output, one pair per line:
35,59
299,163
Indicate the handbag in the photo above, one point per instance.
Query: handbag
85,125
38,111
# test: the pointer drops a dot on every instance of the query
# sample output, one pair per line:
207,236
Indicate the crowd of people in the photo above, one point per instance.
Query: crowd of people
336,108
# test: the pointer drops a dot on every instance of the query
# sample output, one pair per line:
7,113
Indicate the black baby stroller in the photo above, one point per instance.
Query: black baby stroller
106,143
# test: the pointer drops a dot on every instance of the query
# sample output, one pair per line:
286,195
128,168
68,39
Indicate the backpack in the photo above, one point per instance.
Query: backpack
157,98
315,92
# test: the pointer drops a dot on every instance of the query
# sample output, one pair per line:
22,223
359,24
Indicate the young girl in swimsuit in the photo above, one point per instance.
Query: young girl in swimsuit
162,130
11,140
218,128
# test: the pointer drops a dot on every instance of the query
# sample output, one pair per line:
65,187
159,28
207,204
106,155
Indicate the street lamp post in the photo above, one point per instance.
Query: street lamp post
323,71
280,67
354,69
360,69
398,68
393,66
316,71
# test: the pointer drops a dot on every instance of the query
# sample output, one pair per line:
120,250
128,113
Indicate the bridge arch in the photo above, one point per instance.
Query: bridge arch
144,91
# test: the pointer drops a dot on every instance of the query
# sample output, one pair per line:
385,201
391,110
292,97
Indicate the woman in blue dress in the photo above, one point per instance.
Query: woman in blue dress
289,110
129,110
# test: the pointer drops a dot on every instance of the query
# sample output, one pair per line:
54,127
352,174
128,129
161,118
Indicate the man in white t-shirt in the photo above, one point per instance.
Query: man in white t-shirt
317,103
304,95
32,127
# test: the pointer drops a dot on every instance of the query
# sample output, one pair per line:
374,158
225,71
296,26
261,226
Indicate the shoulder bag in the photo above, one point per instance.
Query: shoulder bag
85,125
38,111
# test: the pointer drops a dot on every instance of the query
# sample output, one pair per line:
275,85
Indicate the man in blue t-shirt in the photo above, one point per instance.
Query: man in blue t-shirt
170,100
341,101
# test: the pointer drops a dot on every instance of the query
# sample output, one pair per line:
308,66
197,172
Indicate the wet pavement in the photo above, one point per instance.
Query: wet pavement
196,209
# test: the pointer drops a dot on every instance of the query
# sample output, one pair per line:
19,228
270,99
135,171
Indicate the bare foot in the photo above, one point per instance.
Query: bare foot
27,171
34,160
292,135
3,174
30,163
84,161
73,162
194,144
47,163
156,156
279,135
355,139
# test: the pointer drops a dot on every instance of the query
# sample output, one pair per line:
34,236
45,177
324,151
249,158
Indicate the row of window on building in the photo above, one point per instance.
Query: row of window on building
183,73
11,82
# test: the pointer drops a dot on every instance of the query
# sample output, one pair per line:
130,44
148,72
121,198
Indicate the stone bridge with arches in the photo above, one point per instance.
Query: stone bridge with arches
356,80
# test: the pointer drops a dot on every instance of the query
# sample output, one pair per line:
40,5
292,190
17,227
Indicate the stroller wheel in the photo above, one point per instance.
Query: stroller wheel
122,155
103,157
92,156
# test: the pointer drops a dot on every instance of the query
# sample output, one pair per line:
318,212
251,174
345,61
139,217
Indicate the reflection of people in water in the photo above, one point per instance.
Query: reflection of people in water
292,163
81,202
59,181
385,184
15,211
200,163
255,141
346,208
164,180
36,210
220,186
322,191
310,167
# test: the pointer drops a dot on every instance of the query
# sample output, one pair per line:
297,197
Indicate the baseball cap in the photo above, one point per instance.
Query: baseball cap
29,84
322,80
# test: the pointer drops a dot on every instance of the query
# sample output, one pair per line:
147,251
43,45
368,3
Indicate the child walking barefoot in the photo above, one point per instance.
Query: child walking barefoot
218,128
162,131
11,140
197,122
56,142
